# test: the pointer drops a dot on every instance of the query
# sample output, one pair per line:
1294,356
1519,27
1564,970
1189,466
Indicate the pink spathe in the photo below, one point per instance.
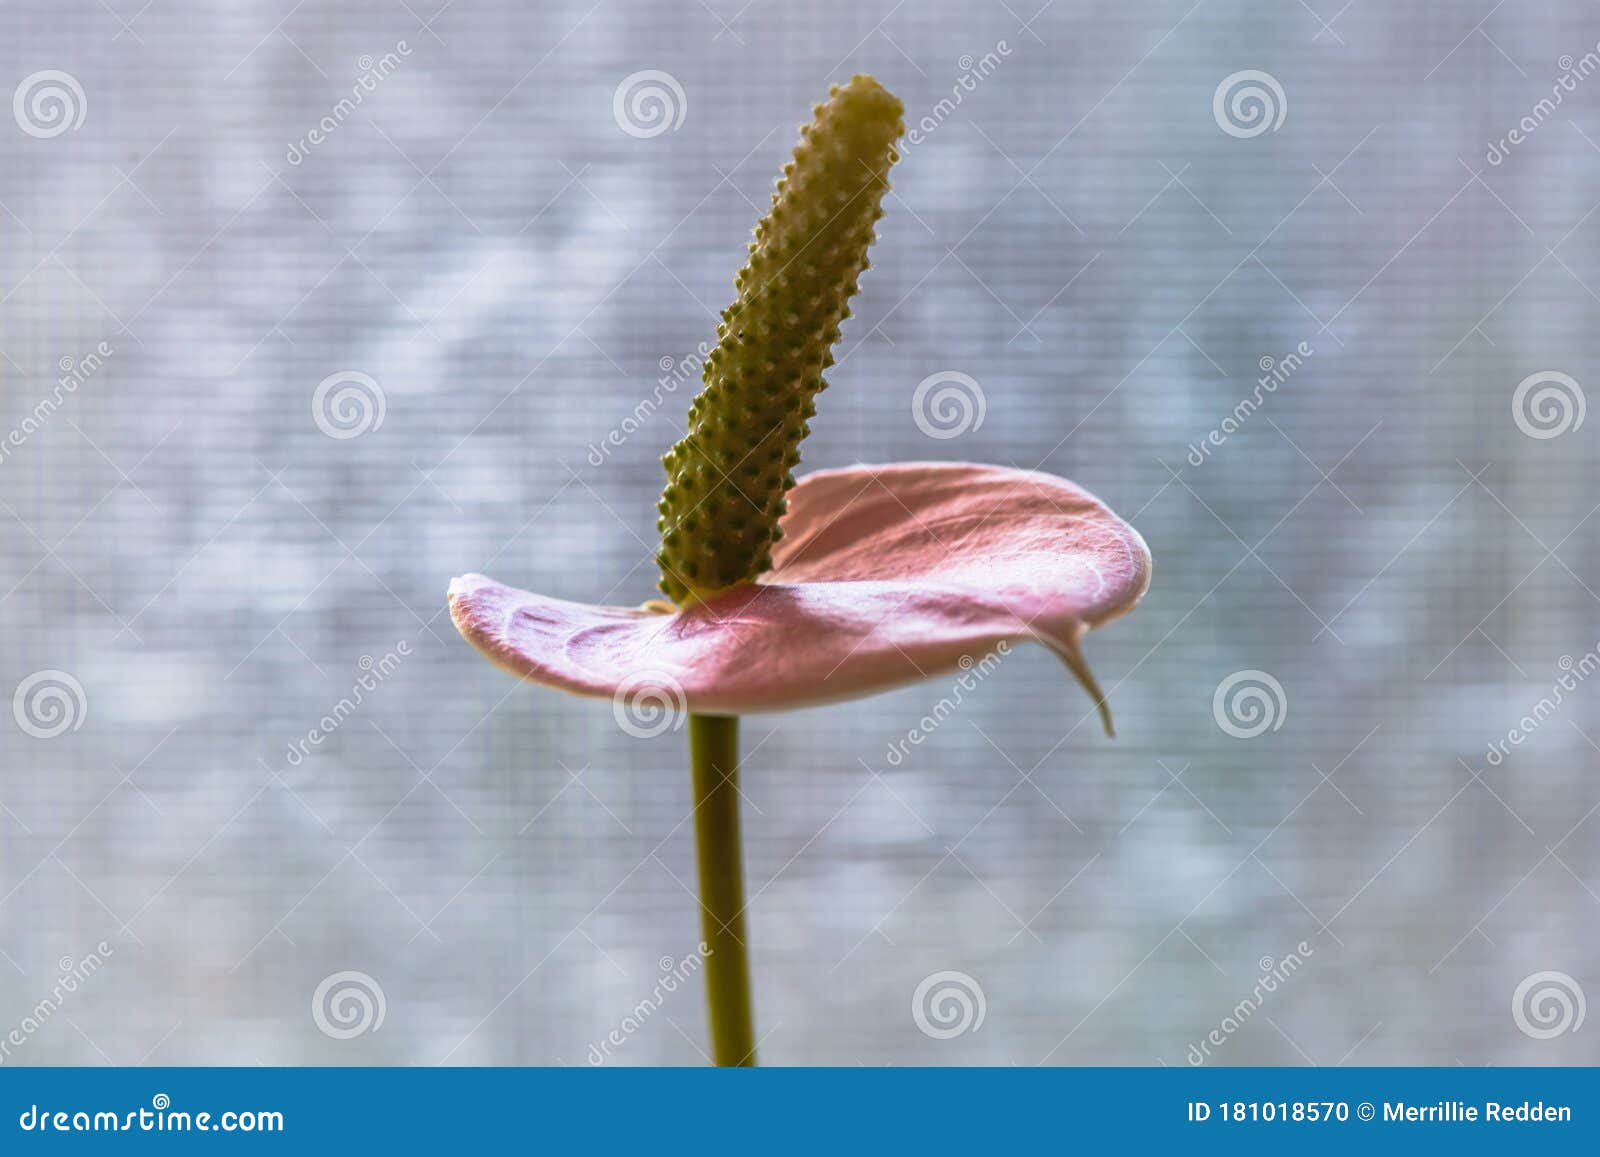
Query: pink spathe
886,575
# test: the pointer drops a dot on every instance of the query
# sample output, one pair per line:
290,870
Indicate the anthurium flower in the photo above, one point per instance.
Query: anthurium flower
848,582
885,575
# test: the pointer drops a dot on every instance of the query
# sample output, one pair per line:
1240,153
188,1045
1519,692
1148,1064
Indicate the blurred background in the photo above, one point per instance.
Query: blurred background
308,307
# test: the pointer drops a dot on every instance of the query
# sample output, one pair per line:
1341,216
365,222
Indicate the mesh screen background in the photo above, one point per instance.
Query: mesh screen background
1081,236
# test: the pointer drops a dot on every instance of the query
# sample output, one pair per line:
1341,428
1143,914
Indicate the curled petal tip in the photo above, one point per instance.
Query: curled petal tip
1067,651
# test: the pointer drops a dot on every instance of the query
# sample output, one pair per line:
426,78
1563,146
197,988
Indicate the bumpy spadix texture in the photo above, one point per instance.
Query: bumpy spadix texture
726,480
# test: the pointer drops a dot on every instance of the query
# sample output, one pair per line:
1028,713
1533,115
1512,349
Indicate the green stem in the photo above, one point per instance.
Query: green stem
714,762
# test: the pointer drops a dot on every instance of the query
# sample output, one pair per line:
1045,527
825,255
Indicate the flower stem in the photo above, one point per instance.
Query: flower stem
714,762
